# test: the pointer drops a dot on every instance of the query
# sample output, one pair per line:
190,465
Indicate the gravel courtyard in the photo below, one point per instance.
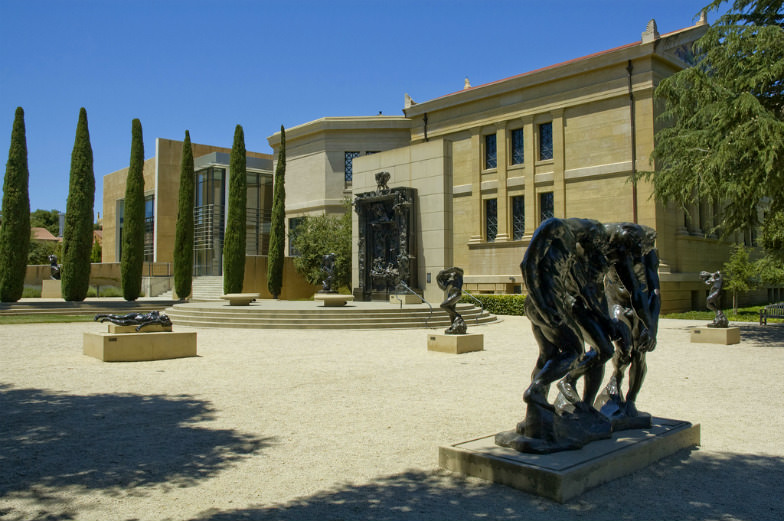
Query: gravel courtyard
324,424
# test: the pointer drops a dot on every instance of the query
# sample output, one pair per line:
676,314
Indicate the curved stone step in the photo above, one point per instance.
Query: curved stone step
270,314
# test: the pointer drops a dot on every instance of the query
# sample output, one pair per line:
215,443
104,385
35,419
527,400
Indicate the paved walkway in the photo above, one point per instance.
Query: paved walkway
317,424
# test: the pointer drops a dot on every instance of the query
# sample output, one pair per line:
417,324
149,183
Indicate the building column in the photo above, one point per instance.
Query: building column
531,203
501,196
559,164
476,187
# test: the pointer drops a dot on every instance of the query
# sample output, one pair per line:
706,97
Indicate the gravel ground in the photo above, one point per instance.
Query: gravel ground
317,424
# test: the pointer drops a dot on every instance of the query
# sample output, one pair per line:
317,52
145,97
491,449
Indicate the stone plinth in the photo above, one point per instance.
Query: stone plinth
716,335
153,328
138,347
407,298
331,300
51,288
455,344
240,299
562,476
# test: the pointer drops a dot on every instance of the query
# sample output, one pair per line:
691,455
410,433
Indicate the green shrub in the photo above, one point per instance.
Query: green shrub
499,304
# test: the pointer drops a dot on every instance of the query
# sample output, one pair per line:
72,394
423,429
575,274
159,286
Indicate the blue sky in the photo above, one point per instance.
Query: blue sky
206,66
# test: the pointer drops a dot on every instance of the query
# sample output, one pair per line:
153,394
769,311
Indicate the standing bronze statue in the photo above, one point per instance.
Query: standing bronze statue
564,269
451,281
54,268
713,302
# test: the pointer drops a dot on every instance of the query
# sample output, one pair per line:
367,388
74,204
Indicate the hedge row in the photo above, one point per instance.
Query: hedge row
499,304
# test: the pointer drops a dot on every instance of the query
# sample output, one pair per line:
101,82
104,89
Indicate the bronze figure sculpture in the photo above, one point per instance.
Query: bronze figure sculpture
451,281
328,268
713,302
54,268
564,269
140,320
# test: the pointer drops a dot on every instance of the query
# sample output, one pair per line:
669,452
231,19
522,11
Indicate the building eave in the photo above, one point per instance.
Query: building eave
343,123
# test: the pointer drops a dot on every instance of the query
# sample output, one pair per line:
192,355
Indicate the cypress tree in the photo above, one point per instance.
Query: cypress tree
15,230
234,240
78,232
278,227
183,239
132,259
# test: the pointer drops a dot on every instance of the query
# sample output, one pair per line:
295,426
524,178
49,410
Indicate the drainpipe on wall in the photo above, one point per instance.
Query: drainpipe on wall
425,120
629,69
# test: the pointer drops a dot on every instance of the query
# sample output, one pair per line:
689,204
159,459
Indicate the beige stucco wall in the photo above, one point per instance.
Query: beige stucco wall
315,159
424,167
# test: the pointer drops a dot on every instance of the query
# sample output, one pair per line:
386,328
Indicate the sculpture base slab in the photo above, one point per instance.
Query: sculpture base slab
407,299
240,299
51,289
139,347
716,335
333,300
153,328
565,475
456,344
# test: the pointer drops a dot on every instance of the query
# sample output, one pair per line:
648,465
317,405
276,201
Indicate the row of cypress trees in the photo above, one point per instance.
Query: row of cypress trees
78,232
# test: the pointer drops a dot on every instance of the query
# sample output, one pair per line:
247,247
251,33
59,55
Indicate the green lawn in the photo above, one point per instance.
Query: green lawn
35,318
748,314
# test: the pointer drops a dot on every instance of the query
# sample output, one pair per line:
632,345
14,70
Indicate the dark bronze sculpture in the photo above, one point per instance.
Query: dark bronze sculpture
564,269
451,281
328,268
713,302
54,268
140,320
611,403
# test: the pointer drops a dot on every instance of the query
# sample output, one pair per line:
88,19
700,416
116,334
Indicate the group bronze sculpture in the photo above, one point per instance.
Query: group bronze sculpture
451,281
54,268
140,320
593,296
713,302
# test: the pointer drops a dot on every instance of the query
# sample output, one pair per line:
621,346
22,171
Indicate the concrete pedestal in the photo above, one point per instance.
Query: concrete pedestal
138,347
333,299
562,476
240,299
716,335
455,344
407,298
51,288
154,328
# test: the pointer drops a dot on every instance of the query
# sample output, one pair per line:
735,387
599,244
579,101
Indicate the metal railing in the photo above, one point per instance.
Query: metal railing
481,305
409,290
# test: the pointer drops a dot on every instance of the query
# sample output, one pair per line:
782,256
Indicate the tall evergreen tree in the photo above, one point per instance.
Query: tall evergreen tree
78,232
234,239
277,242
723,138
183,239
15,230
132,258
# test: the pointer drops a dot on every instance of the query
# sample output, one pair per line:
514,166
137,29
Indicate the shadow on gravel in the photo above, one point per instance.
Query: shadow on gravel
687,485
110,441
771,335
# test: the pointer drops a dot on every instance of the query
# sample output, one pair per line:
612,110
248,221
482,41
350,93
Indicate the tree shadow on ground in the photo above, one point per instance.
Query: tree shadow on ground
771,335
688,485
111,441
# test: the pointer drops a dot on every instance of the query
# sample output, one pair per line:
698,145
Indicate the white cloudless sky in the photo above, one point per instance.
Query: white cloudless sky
206,66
